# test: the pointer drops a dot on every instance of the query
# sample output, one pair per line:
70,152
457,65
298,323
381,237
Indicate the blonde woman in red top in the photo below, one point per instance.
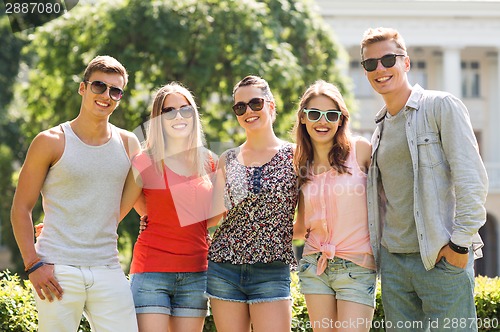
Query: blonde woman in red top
337,271
171,178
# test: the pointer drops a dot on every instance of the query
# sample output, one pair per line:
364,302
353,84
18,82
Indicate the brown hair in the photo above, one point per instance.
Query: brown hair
374,35
105,64
304,154
257,82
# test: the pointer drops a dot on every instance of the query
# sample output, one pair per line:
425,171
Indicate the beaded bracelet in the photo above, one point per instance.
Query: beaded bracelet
35,267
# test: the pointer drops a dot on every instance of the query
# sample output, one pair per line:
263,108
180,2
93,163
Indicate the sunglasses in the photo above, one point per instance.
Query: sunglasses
170,113
99,87
388,61
255,104
330,115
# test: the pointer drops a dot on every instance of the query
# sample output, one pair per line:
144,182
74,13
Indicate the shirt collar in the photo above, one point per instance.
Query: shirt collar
412,103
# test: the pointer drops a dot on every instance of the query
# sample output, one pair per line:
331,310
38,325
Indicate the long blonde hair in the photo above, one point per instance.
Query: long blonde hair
156,139
304,153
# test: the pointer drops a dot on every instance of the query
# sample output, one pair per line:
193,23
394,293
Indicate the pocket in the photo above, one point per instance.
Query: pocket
113,267
307,263
303,267
362,274
430,151
443,264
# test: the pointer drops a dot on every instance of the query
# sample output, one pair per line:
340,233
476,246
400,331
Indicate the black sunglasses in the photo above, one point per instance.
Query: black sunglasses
170,113
255,104
388,61
330,115
99,87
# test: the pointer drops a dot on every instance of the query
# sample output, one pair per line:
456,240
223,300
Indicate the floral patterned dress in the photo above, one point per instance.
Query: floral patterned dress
261,203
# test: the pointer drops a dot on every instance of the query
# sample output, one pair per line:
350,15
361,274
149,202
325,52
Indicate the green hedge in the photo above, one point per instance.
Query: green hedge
18,312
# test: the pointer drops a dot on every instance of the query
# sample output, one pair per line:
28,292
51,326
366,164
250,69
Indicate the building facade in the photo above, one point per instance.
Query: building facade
454,45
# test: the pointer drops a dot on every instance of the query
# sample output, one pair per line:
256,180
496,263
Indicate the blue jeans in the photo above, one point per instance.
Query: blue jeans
249,283
179,294
441,299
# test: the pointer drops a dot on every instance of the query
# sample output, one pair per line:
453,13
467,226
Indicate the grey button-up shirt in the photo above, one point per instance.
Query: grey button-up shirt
450,183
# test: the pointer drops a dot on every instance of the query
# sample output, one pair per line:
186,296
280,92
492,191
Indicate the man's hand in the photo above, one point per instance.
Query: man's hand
45,283
454,258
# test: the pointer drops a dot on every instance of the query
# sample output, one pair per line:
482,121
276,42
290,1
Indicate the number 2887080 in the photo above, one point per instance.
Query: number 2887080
33,8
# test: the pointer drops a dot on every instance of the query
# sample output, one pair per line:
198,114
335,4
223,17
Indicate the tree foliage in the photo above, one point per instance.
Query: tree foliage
10,143
10,61
208,45
10,56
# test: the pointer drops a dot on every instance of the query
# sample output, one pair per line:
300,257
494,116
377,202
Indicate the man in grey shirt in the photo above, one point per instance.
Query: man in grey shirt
426,192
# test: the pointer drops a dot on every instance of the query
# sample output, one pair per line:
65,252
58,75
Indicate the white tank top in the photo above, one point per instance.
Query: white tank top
81,201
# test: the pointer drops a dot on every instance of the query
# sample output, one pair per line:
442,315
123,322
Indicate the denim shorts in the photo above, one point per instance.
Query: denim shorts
249,283
181,294
342,278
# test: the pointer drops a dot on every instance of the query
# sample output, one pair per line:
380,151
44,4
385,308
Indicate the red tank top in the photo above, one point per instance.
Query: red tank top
176,236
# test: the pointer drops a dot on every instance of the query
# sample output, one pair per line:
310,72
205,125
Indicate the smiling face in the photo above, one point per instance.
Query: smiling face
253,120
387,80
178,127
321,131
100,105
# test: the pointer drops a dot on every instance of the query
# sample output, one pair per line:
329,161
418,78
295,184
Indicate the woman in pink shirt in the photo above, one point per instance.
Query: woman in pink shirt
337,272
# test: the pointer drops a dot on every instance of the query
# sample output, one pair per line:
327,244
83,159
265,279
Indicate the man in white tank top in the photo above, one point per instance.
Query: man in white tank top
80,168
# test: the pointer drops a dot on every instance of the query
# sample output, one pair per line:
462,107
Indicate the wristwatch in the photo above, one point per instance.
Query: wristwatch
458,249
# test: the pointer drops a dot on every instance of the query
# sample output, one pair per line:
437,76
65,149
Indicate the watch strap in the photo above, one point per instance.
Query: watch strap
458,249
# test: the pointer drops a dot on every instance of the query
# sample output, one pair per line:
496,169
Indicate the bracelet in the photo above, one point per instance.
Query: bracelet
30,265
35,267
458,249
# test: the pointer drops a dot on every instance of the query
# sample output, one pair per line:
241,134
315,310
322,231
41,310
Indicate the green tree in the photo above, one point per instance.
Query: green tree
10,56
10,146
208,45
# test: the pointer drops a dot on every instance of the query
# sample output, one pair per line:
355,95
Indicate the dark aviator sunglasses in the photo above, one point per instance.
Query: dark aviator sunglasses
170,113
255,104
388,61
99,87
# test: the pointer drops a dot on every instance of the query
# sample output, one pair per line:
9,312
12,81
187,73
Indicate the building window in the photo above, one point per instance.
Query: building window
418,73
470,79
362,87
